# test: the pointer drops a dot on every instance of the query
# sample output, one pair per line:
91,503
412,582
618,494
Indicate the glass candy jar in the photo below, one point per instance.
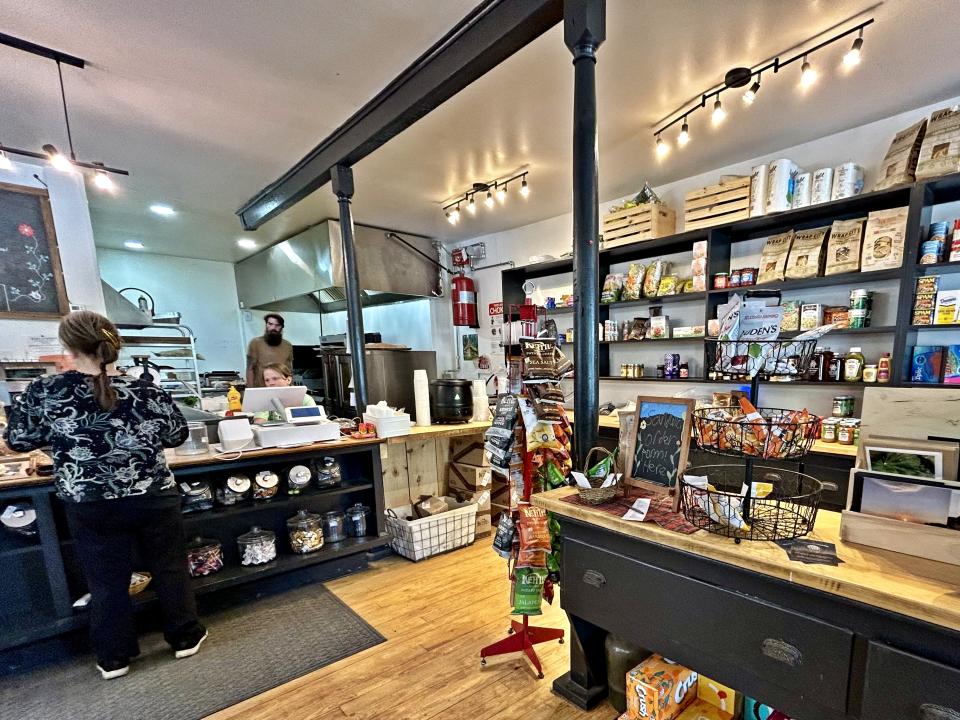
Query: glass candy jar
257,546
305,531
204,557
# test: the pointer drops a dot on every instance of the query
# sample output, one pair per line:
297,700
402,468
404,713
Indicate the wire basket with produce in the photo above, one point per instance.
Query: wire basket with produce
747,431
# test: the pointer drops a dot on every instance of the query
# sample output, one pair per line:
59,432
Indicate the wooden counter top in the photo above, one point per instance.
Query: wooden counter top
922,589
175,461
440,431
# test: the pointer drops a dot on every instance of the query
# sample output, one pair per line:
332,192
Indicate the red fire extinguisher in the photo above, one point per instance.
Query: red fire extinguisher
464,296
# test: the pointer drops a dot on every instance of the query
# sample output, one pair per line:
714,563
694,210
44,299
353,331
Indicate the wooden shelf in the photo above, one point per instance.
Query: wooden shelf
873,330
683,297
853,278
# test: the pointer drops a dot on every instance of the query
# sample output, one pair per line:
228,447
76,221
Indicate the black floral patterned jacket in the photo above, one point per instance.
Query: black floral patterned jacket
99,454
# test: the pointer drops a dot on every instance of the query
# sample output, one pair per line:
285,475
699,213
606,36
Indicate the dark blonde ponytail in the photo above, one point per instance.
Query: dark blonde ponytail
88,333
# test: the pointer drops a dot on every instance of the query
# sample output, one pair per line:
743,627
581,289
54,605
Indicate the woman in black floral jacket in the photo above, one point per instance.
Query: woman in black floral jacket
106,435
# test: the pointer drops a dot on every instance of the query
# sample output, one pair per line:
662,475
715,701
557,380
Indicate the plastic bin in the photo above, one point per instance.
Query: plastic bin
390,426
429,536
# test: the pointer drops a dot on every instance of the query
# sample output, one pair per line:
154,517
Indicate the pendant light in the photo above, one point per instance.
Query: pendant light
524,188
684,137
719,114
852,57
808,76
662,148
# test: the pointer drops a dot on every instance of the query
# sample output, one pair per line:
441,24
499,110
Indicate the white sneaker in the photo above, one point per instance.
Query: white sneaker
192,650
113,672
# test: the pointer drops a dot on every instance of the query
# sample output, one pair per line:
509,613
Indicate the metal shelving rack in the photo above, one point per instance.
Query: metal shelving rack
187,364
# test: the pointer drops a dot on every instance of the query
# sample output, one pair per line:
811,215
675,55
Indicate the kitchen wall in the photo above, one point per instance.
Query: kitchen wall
204,292
78,256
865,145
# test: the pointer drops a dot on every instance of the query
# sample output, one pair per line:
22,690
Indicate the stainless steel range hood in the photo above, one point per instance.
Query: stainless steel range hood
305,272
121,311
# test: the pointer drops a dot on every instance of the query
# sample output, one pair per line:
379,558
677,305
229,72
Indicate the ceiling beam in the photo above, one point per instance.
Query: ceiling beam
491,33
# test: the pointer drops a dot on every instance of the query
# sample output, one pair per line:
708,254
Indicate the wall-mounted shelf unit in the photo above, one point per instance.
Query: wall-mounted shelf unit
920,198
183,365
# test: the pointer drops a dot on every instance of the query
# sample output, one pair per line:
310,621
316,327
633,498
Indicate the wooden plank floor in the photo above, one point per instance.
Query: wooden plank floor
435,615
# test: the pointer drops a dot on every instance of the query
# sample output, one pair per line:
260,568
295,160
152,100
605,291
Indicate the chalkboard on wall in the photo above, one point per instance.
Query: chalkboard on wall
659,442
31,279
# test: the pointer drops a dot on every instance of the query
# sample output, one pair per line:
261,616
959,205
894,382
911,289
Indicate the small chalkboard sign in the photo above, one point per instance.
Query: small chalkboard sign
659,442
31,279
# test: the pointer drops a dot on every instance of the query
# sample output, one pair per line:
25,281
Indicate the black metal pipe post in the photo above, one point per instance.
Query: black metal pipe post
584,27
342,177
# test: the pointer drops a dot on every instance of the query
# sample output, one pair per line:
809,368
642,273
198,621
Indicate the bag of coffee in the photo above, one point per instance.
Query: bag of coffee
773,259
806,254
899,165
883,239
940,151
843,247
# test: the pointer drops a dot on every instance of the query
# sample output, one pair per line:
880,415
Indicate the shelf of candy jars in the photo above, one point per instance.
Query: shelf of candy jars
529,445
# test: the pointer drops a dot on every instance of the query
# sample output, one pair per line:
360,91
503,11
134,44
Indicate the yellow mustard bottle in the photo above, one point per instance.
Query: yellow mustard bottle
233,400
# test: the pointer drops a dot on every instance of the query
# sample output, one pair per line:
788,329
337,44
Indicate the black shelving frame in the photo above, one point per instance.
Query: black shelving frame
920,199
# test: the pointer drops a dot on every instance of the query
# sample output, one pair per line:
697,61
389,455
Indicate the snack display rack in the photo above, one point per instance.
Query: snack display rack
521,636
729,506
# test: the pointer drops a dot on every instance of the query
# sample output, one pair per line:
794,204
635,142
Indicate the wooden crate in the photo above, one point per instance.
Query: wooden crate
642,222
717,204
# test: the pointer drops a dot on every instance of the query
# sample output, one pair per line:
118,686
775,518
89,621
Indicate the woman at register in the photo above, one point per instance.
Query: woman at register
278,375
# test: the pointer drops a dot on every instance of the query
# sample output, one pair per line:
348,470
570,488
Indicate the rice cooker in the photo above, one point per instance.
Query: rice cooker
451,401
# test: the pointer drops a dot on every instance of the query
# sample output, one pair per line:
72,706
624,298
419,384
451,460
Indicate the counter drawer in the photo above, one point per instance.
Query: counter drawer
765,648
901,686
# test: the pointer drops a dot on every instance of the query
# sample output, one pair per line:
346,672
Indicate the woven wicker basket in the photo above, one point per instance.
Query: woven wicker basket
139,581
598,495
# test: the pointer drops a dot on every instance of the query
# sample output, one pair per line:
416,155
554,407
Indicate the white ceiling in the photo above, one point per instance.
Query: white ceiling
205,103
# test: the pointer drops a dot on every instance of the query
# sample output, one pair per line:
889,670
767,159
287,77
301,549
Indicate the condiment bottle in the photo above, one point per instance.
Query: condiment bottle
853,366
870,373
835,368
234,403
883,368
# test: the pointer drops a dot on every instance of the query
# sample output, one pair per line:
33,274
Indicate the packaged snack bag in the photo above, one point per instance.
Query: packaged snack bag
658,689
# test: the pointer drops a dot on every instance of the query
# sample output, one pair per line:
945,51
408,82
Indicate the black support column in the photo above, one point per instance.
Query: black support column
342,177
584,29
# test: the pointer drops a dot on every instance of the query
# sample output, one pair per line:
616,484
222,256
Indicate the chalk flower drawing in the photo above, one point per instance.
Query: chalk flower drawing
37,261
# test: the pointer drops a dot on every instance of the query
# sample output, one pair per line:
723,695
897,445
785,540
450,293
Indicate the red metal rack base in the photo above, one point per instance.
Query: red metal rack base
522,638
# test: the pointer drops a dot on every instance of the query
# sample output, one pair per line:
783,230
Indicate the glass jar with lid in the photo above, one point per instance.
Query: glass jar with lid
257,546
195,496
298,478
265,485
328,474
305,531
204,556
357,517
197,442
233,490
334,526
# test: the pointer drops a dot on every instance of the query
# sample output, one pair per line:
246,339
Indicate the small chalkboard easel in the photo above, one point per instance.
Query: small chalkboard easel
659,442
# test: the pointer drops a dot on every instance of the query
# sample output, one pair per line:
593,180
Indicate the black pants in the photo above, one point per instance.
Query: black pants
107,531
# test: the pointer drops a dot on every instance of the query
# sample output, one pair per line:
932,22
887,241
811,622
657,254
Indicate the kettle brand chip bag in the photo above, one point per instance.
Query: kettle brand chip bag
528,590
534,529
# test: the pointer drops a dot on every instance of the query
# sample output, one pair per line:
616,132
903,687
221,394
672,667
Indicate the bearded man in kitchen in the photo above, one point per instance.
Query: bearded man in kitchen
268,349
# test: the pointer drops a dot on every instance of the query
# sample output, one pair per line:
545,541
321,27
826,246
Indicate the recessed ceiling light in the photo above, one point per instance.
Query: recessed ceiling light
247,243
162,210
134,244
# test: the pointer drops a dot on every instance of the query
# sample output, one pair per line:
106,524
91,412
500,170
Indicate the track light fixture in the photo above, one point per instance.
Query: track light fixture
744,77
57,159
493,192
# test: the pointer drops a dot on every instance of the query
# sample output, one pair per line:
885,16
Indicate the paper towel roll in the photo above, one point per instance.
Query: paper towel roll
802,190
847,181
780,180
481,405
421,397
822,186
758,190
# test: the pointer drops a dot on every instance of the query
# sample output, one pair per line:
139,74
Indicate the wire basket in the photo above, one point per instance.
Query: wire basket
780,435
788,511
421,538
783,360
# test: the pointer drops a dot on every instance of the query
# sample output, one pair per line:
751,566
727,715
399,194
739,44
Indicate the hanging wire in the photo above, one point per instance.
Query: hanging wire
66,115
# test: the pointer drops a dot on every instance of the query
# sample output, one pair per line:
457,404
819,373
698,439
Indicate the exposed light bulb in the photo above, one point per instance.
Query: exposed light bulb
472,206
501,194
489,201
808,76
5,162
57,159
852,57
450,218
719,114
750,95
455,215
662,148
524,188
104,181
684,137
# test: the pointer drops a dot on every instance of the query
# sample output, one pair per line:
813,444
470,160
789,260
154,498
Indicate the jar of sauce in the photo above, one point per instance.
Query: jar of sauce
853,366
828,430
734,279
721,281
843,406
835,368
869,373
846,431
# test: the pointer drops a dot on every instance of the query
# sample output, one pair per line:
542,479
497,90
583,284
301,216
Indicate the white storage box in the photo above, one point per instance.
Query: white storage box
390,426
423,538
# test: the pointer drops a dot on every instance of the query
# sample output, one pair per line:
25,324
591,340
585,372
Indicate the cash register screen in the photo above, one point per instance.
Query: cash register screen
303,412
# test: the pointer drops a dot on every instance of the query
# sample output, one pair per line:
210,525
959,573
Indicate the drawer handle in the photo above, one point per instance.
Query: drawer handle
782,651
592,577
830,486
937,712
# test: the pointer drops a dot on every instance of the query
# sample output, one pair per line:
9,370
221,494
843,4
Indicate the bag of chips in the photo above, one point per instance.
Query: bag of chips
543,360
500,432
531,558
638,329
651,278
612,288
528,590
633,285
533,527
503,539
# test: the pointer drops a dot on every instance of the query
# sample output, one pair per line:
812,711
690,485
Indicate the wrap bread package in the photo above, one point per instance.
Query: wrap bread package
900,163
758,190
940,151
773,259
847,181
822,186
806,253
802,190
883,239
780,181
843,247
